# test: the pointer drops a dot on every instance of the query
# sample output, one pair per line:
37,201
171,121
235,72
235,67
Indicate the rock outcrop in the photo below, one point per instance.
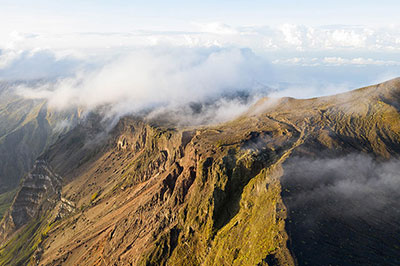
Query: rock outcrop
38,193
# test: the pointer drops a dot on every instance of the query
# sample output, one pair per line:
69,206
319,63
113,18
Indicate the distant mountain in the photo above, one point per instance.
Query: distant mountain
291,182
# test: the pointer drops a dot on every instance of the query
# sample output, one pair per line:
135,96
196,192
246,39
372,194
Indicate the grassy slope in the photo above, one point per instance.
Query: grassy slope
6,201
19,249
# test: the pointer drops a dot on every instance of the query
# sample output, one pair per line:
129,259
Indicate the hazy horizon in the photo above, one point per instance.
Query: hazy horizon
156,52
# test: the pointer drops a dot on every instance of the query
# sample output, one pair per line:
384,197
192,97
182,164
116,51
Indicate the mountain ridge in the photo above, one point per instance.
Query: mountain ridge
215,195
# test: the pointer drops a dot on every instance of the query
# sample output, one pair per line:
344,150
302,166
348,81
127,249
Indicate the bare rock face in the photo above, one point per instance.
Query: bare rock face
39,190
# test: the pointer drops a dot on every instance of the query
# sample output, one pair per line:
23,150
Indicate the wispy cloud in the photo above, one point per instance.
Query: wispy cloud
352,180
162,78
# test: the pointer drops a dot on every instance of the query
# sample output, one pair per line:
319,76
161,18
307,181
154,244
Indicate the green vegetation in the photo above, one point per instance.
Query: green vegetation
20,248
236,217
94,196
5,201
258,228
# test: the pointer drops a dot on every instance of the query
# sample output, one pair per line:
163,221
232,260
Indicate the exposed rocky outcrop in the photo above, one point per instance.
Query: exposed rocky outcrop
39,192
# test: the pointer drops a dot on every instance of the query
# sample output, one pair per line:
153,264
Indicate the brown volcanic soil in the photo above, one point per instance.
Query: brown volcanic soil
150,195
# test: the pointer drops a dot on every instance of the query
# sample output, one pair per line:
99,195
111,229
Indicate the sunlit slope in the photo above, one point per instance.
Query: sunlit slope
366,119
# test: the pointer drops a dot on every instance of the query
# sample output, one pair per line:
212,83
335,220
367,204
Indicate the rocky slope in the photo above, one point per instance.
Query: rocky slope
308,182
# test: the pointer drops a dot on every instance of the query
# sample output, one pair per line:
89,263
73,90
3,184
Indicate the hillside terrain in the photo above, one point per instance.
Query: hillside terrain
290,182
27,128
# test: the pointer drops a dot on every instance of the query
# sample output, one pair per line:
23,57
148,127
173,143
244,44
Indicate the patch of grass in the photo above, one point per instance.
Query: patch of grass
5,201
94,196
20,248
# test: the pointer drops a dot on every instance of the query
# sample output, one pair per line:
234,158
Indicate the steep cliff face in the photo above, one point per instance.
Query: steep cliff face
233,194
38,187
162,188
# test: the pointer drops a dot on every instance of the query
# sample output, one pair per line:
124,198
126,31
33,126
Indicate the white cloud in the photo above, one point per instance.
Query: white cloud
216,28
7,57
133,70
335,61
309,46
286,37
348,38
308,38
359,61
155,77
294,35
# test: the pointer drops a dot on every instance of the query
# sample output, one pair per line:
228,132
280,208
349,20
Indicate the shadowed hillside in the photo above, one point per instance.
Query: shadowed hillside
27,128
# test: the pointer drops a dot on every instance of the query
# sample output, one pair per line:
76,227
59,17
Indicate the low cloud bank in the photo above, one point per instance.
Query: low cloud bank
163,78
223,82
